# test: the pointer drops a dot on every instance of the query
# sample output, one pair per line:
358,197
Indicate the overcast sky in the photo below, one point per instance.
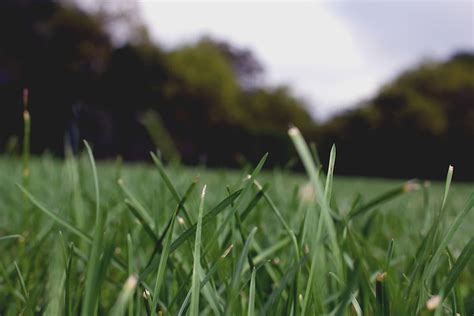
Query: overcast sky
333,54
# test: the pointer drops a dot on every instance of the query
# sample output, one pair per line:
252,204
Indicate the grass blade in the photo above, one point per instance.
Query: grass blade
163,261
235,283
459,265
25,176
346,296
206,219
125,296
431,268
191,230
330,174
93,263
9,237
277,212
196,281
285,280
180,205
313,174
381,295
389,256
251,308
385,197
139,208
447,185
55,217
204,281
146,227
131,268
22,281
169,184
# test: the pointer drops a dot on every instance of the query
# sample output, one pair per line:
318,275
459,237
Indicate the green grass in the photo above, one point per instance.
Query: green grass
138,238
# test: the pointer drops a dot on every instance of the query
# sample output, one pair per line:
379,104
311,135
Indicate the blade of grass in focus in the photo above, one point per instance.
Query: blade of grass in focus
196,281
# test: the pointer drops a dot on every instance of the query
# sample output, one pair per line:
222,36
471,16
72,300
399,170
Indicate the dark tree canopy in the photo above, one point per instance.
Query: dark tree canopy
205,102
422,122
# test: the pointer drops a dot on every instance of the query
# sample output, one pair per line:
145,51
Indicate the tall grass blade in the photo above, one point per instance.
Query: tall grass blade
459,265
236,276
447,185
431,268
164,176
139,208
383,198
68,295
388,258
169,184
196,281
93,263
163,262
22,281
282,221
146,227
130,268
251,307
191,230
55,217
457,303
308,295
206,219
180,206
9,237
286,279
125,296
26,141
381,295
313,174
330,174
204,281
346,296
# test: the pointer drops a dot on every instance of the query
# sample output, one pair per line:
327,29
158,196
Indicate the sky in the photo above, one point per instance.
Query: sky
333,54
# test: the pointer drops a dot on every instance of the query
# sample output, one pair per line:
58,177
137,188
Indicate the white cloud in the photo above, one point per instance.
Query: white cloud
331,54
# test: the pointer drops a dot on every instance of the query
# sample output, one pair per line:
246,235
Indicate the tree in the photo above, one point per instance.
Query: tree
57,52
417,124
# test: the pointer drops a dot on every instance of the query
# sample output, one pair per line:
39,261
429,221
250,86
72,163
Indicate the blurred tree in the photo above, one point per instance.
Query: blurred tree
57,52
209,112
273,110
419,123
247,69
207,93
98,76
203,84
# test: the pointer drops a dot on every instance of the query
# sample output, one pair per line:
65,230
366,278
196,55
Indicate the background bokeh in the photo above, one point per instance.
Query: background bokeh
98,74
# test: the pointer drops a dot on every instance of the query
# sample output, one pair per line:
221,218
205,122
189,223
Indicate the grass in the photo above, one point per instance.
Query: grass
147,239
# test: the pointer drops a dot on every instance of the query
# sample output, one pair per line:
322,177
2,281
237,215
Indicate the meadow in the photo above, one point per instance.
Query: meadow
78,237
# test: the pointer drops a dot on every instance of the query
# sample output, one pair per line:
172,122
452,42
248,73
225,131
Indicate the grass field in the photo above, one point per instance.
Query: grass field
151,238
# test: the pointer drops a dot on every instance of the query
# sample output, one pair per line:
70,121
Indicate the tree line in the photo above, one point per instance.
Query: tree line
203,102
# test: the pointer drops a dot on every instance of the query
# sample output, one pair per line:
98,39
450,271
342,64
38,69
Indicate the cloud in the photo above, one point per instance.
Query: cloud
331,53
407,29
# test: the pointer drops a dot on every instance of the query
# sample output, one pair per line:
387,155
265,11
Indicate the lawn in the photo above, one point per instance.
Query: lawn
274,242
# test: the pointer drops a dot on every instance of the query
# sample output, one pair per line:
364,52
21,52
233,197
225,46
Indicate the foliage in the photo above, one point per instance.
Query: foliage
209,94
67,59
422,120
203,81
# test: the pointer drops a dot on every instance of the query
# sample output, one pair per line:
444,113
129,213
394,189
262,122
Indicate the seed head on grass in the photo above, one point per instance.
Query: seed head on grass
146,294
306,193
433,302
227,251
411,186
26,143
